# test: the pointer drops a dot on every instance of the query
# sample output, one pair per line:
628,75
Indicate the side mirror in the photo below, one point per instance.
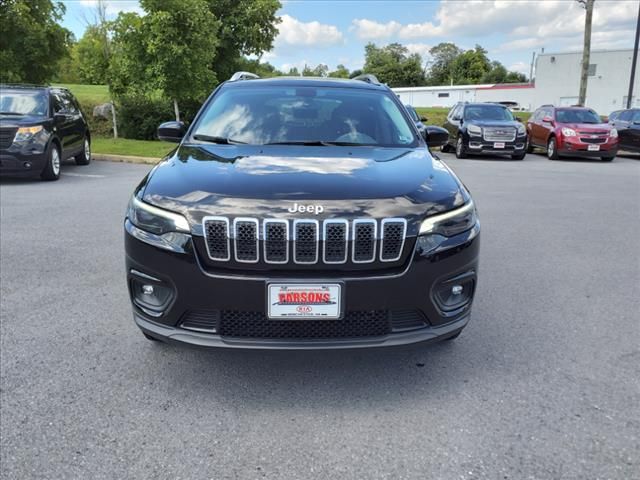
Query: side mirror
423,118
171,131
518,119
457,118
547,119
435,136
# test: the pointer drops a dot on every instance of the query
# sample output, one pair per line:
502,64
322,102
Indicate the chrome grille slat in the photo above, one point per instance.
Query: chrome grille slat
364,241
306,239
336,240
394,231
216,231
276,241
499,134
245,233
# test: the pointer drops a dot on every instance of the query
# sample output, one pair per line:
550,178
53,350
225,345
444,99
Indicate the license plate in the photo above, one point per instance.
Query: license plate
498,145
593,148
304,300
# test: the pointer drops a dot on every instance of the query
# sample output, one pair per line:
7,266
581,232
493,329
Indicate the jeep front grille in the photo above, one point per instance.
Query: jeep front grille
499,134
304,241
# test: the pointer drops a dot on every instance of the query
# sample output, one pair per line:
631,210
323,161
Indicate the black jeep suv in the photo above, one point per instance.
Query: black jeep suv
485,128
301,213
39,128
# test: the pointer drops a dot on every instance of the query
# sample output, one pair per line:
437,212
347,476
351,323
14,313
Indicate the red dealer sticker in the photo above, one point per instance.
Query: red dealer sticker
304,301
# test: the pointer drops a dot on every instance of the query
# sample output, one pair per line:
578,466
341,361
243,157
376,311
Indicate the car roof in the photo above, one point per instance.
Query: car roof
306,82
476,104
22,86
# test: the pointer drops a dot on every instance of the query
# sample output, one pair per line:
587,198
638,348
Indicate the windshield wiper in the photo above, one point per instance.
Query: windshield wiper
11,113
214,139
321,143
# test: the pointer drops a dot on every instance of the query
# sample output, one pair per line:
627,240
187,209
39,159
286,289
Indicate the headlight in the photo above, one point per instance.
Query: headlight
569,132
613,133
521,129
26,133
155,220
474,129
450,223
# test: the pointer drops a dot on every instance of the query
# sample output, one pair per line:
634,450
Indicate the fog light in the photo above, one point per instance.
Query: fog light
455,293
147,289
152,298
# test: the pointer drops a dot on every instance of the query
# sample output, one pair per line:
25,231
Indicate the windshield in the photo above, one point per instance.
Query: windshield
577,116
413,113
299,115
487,112
636,116
19,102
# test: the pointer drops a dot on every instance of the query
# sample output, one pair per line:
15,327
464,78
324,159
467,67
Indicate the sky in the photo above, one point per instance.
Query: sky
335,32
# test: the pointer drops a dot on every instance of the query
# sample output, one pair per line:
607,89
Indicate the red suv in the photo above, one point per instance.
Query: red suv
571,131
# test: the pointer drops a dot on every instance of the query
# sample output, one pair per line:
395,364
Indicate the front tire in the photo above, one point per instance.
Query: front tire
445,148
529,148
460,151
552,149
608,159
84,158
51,170
518,156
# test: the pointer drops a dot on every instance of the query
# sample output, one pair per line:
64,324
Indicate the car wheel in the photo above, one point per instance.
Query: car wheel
608,159
518,156
52,168
552,149
445,148
84,157
460,151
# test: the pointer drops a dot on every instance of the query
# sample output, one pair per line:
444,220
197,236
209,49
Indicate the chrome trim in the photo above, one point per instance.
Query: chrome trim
295,224
404,237
179,221
195,329
264,240
337,221
375,239
235,238
206,236
144,276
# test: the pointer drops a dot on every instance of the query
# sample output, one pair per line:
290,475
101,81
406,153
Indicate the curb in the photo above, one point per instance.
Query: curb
104,157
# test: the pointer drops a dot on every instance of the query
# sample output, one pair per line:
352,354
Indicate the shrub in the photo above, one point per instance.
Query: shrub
139,116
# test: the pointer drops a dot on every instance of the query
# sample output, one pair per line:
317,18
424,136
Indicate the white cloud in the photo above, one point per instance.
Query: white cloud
521,67
293,32
114,7
372,30
421,49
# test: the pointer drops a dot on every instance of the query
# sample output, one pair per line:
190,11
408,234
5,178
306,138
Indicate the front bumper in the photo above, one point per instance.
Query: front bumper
574,147
17,163
195,289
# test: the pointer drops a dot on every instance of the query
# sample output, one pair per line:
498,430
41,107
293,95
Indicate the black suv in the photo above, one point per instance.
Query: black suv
485,128
627,123
301,213
39,128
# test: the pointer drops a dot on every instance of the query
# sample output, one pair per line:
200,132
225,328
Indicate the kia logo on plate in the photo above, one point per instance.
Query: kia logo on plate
304,309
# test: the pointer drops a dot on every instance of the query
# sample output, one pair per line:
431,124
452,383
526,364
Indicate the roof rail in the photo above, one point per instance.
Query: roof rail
24,85
243,76
546,105
367,77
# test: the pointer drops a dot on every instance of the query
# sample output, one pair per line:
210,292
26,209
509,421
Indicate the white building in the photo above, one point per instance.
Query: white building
557,82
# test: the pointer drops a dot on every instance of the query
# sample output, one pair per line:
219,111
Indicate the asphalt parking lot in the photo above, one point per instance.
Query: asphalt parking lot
543,384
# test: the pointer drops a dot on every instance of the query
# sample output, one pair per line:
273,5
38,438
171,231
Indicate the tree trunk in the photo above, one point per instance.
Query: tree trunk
586,52
176,109
115,123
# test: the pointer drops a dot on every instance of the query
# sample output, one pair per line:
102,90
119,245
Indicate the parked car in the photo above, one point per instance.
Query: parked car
316,219
417,119
434,135
571,131
485,128
39,128
627,123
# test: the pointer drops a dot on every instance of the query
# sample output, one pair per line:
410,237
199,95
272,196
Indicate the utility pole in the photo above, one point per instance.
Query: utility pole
586,50
634,61
533,59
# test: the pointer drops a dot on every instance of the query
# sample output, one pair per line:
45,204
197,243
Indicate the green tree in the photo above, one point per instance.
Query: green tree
320,70
340,72
246,27
293,72
168,50
32,43
394,65
262,69
439,68
470,66
92,63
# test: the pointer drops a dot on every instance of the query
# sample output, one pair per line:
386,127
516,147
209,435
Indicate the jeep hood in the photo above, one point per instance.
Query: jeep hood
265,181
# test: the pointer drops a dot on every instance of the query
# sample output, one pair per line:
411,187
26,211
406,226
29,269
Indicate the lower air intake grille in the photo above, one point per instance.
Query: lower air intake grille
366,323
402,320
201,320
